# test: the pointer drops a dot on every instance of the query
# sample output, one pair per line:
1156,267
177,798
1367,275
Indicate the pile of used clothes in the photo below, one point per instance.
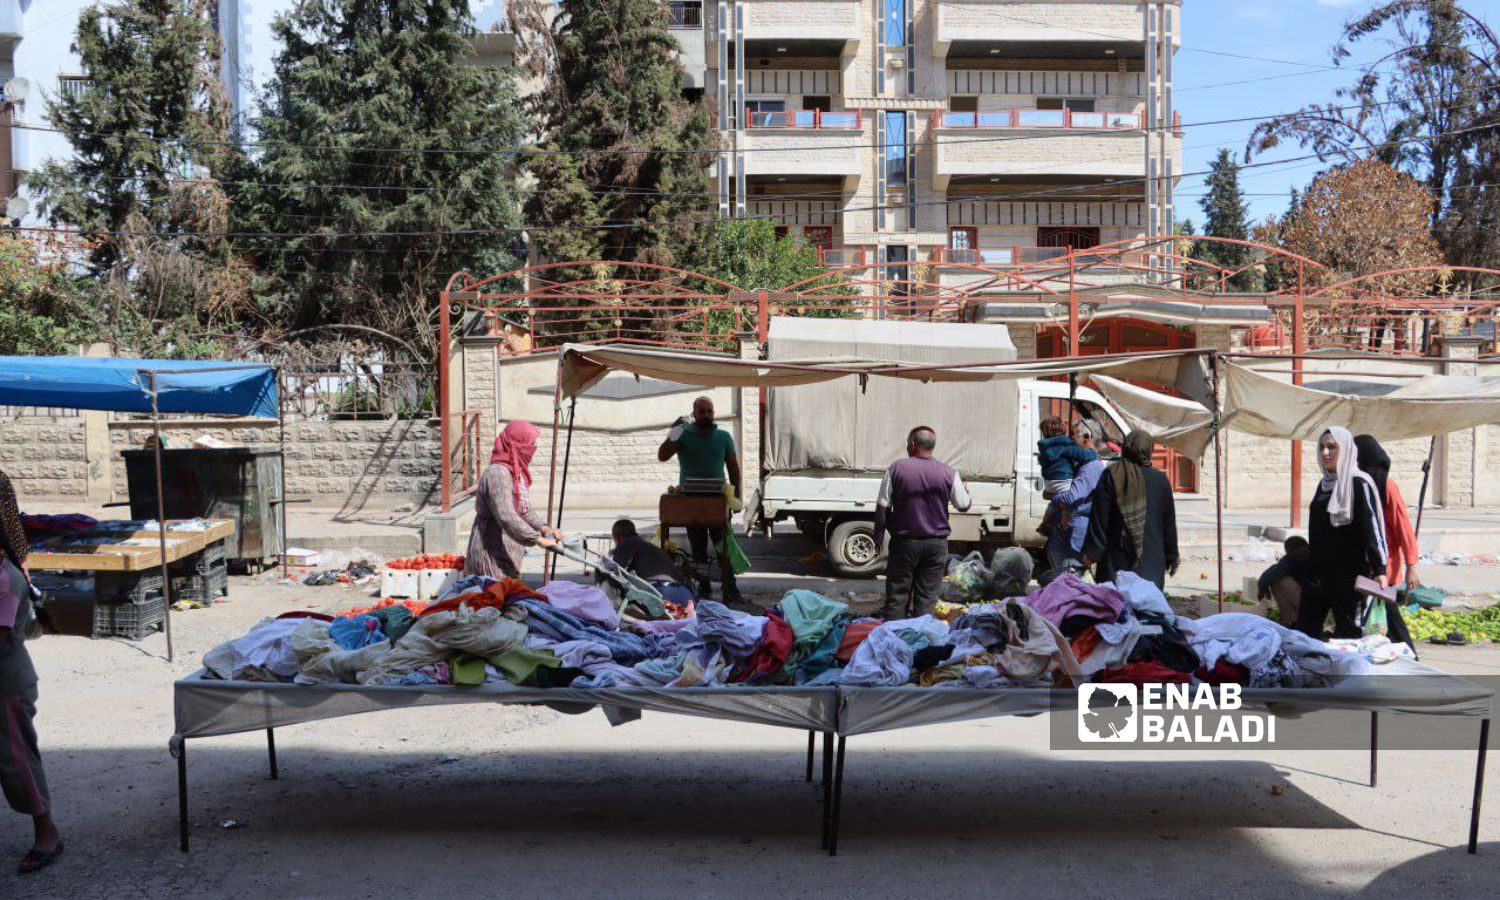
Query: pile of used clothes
569,634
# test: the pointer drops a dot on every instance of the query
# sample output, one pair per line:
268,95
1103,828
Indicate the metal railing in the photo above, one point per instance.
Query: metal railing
997,256
684,14
372,390
842,257
817,119
1038,118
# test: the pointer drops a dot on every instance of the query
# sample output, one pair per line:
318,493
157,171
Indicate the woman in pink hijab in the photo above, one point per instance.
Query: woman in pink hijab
505,522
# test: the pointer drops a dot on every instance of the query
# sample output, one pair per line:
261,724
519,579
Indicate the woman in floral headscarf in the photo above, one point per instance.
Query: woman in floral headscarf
505,523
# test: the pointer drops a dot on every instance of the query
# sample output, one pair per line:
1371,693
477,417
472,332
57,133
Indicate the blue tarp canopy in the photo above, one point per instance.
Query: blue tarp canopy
124,385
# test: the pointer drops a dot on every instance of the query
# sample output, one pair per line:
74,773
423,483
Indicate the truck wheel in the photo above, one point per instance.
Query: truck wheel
851,547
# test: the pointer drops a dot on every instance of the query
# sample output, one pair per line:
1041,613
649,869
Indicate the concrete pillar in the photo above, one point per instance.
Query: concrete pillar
98,475
1457,461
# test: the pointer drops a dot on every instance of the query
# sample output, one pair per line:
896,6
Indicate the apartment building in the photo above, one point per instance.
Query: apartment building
989,132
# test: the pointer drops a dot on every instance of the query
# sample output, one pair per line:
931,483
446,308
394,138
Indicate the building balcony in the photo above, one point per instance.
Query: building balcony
843,257
810,21
997,257
806,144
1012,144
1037,30
810,119
1038,118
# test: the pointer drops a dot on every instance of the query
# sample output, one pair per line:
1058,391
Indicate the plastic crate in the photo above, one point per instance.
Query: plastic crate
129,587
202,588
131,620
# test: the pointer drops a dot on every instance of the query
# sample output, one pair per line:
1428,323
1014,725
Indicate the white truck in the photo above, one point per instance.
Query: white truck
826,446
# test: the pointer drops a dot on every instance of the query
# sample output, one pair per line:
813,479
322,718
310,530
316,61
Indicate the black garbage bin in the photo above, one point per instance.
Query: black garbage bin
242,484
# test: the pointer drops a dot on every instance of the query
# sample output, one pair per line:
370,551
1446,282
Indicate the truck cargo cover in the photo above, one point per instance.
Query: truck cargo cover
849,426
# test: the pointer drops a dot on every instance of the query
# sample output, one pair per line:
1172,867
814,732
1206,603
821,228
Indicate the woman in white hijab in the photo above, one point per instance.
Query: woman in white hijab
1347,536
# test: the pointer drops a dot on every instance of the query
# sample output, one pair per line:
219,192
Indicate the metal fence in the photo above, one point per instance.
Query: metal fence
359,390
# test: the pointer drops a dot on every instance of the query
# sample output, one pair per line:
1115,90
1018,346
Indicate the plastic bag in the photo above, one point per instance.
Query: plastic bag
1377,623
739,563
966,580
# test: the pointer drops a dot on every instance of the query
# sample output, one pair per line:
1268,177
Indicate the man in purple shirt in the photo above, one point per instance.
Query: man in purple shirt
913,508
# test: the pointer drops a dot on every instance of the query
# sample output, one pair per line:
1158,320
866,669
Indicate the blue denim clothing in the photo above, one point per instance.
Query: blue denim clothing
627,649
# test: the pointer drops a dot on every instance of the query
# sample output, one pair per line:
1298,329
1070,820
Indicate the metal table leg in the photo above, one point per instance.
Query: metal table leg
1484,746
812,740
838,799
178,748
1374,743
271,750
827,785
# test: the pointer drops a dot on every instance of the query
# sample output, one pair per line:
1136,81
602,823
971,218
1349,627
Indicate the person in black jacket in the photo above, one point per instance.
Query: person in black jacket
1133,527
1288,580
1347,535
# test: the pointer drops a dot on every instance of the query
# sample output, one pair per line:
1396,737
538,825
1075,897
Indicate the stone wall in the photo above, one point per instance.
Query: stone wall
347,465
44,456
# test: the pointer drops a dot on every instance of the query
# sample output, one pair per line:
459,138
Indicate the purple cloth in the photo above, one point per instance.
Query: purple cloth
583,601
12,587
665,626
1071,596
920,489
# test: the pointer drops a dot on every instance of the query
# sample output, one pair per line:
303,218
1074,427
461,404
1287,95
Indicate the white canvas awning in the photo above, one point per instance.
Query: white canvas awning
1258,403
584,365
1184,425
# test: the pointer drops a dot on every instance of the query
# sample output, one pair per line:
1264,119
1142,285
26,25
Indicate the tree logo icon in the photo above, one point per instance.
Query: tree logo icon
1107,713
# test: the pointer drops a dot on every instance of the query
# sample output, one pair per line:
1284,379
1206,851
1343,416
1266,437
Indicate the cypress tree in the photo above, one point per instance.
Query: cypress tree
1224,208
622,171
388,162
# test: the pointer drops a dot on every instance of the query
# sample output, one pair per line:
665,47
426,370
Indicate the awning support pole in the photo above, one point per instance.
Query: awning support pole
562,494
161,520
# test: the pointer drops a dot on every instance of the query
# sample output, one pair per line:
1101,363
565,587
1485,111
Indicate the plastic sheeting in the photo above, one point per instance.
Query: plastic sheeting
123,385
206,707
1257,403
1402,686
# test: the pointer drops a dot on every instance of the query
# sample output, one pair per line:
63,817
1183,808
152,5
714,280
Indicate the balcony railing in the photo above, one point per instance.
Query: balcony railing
997,256
1037,118
684,14
807,118
842,257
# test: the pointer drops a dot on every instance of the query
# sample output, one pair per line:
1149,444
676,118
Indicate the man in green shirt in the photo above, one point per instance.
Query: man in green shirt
703,450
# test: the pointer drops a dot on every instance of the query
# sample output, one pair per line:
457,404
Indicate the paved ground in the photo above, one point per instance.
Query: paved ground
478,801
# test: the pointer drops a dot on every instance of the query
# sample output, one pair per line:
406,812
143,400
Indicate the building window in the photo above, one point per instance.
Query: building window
1073,238
963,238
766,113
820,236
820,103
686,13
1076,104
781,232
895,149
963,104
74,86
895,23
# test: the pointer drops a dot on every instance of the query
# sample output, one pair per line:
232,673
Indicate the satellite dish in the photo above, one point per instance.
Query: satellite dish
17,208
17,89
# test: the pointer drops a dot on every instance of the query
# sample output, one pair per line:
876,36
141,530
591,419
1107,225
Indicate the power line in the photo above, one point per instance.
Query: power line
532,149
623,225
